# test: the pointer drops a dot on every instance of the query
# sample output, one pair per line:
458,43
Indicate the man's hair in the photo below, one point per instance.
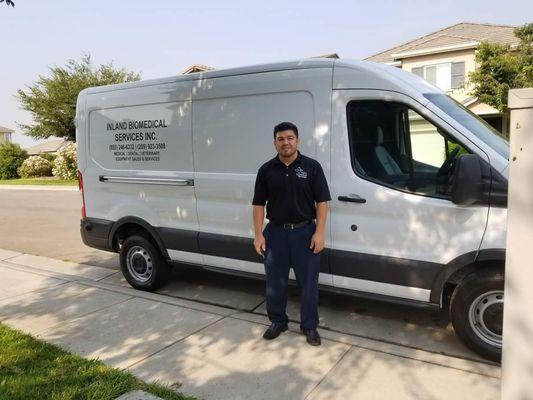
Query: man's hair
285,126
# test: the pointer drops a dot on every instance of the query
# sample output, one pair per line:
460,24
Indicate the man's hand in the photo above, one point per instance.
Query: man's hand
260,244
317,243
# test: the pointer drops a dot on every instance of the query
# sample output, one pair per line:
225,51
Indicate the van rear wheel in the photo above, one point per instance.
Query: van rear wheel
142,264
476,312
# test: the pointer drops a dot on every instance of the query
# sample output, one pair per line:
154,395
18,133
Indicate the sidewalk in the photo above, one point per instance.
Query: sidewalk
215,352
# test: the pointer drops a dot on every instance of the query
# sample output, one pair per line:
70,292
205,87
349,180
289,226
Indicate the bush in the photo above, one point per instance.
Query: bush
451,147
35,166
49,156
66,162
11,158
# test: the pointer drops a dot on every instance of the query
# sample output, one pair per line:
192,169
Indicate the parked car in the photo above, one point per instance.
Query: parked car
419,184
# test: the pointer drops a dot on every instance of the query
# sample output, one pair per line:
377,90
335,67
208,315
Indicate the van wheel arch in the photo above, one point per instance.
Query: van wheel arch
456,270
460,274
129,226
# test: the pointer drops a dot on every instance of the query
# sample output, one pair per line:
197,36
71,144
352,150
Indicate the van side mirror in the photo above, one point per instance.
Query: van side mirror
468,184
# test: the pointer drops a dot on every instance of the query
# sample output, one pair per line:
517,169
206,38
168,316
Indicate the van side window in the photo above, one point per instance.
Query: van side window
397,147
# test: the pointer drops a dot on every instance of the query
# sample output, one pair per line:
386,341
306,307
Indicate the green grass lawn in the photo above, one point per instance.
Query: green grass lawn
38,181
32,369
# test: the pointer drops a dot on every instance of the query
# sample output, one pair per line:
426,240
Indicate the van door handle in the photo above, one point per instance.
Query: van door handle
352,198
147,180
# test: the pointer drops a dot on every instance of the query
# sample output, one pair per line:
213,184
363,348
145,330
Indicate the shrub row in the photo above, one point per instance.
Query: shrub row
15,163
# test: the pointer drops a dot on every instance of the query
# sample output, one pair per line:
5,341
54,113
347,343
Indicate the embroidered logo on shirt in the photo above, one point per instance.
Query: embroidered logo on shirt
300,173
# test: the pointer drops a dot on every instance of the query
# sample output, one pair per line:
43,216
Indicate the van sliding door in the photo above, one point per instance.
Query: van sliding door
233,121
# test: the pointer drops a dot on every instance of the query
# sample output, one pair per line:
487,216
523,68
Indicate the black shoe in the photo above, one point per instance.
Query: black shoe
274,331
313,338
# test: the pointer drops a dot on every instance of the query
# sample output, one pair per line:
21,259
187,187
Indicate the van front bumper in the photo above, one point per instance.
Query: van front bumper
95,233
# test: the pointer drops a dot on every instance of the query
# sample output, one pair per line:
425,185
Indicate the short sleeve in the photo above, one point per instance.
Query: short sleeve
260,191
320,186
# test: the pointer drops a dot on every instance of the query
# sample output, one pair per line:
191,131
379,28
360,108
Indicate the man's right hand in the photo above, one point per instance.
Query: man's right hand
260,244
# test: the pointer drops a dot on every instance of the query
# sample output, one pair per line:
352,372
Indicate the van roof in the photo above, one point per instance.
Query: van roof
383,72
218,73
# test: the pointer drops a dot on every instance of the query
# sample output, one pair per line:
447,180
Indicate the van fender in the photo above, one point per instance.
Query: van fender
143,224
462,266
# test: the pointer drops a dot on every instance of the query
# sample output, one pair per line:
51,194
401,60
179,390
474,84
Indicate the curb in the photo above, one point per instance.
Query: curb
39,187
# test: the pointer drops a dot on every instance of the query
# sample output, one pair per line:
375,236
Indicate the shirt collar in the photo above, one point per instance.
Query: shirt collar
298,159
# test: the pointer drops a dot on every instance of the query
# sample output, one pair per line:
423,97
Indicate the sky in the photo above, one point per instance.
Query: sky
162,38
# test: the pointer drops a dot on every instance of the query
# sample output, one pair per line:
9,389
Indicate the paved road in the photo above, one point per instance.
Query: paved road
46,223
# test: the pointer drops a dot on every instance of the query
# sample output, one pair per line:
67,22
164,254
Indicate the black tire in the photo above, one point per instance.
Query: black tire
476,312
142,264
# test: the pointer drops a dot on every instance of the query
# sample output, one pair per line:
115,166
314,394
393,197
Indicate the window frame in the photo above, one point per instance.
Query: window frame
439,126
451,87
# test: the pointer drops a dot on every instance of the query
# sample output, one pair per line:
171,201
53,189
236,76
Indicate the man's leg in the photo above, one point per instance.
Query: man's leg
306,266
277,265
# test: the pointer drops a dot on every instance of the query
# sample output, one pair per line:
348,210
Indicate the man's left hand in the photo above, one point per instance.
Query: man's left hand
317,243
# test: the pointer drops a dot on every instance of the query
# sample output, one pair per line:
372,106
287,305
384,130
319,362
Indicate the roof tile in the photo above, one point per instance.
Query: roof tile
453,35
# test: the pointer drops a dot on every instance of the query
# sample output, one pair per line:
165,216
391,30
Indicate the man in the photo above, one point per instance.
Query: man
294,189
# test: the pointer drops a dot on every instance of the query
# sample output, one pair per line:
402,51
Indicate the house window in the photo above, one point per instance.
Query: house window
446,76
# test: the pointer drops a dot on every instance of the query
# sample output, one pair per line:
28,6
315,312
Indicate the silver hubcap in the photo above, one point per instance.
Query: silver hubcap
139,263
486,317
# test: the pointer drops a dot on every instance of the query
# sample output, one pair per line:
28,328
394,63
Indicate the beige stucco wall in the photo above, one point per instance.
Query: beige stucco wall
2,137
469,58
482,109
466,56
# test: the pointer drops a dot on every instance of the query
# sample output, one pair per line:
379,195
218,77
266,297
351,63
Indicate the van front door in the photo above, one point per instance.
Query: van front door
393,224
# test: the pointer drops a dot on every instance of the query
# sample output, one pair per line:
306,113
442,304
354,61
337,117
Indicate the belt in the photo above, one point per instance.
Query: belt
294,225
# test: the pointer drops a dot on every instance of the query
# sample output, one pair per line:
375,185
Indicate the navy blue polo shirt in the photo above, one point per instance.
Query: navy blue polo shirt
290,192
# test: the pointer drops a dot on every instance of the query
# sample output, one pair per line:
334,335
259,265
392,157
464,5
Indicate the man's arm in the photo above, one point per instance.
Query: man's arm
259,217
317,241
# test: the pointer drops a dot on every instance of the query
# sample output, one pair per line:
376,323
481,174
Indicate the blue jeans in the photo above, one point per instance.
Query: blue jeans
286,248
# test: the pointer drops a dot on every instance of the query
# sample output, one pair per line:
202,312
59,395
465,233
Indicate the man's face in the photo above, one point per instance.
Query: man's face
286,143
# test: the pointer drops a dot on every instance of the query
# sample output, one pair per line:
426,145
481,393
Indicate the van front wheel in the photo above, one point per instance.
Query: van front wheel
142,264
476,312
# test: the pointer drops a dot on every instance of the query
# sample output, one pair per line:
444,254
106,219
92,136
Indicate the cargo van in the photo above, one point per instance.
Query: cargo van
419,184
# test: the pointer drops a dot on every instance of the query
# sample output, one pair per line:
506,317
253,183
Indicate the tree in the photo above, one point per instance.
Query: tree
501,68
11,158
52,100
8,3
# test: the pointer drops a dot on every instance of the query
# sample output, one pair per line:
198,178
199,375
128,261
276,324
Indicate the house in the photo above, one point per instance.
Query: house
51,146
332,55
446,57
196,68
5,134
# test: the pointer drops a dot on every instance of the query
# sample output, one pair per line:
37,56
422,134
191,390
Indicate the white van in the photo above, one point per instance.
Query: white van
419,184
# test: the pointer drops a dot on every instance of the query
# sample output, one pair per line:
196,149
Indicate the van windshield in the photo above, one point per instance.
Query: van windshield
471,121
